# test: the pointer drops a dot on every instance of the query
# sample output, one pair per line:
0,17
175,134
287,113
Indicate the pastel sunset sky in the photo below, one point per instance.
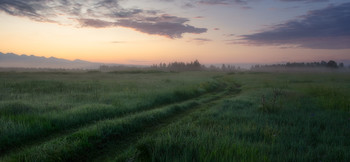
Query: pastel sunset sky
151,31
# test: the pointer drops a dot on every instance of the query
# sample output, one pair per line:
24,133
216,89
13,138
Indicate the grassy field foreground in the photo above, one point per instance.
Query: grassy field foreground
188,116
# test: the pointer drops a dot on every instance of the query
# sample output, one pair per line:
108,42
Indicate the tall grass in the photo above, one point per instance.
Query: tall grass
25,119
76,146
330,97
235,131
301,117
238,130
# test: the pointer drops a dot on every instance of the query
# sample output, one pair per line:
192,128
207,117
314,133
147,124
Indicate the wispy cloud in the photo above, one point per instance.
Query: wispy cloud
326,28
222,2
169,29
100,14
229,35
243,3
199,17
188,5
200,41
308,1
117,42
96,23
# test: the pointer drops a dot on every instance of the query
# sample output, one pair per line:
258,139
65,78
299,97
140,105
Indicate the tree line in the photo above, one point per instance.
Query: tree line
193,66
197,66
323,64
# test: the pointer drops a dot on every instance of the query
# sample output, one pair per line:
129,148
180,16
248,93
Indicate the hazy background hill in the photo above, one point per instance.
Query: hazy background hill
31,61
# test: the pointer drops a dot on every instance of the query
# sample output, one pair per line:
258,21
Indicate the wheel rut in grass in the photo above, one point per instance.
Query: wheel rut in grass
116,147
52,134
105,135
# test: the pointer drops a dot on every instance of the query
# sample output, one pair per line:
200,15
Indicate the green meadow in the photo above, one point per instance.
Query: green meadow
174,116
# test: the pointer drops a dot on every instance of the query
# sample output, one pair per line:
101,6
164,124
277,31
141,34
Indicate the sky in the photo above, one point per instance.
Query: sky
145,32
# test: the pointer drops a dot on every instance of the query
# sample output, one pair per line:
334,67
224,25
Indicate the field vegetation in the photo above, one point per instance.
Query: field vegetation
174,116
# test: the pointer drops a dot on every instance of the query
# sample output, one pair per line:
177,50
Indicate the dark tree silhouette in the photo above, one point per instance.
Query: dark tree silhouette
332,64
322,64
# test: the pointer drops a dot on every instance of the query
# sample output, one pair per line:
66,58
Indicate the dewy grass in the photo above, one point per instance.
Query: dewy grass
31,126
236,130
15,107
50,122
272,102
210,135
74,146
330,97
78,115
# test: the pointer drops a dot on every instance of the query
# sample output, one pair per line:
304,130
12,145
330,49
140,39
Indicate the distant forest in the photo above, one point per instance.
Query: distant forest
322,64
193,66
197,66
176,67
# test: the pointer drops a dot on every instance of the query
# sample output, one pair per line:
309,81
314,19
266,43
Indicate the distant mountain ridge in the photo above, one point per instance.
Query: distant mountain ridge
11,60
30,61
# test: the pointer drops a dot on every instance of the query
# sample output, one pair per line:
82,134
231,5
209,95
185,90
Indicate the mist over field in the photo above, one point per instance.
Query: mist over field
23,62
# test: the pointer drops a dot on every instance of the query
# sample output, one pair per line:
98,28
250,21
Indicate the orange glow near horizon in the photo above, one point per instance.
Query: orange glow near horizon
125,46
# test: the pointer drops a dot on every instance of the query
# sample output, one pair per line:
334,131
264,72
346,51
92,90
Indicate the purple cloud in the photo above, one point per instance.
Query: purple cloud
326,28
308,1
100,14
202,39
96,23
242,3
222,2
169,29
